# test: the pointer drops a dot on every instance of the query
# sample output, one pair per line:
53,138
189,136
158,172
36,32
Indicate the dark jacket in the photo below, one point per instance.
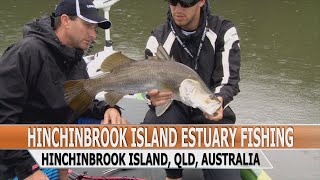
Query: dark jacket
219,58
32,73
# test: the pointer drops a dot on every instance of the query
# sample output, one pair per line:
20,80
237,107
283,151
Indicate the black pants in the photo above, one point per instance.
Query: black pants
179,113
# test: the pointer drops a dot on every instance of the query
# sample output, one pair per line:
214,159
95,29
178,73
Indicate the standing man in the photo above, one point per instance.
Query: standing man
208,44
32,73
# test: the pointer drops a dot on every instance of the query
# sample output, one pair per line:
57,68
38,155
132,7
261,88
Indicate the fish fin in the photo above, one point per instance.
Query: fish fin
162,54
102,75
115,60
161,109
76,96
153,58
112,98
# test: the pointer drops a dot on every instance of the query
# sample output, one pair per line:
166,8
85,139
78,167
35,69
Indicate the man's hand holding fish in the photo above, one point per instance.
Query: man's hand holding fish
159,98
217,115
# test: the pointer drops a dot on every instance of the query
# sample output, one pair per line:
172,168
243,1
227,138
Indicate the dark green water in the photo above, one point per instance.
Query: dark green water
279,40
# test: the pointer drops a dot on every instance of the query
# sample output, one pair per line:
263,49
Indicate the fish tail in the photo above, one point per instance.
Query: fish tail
76,96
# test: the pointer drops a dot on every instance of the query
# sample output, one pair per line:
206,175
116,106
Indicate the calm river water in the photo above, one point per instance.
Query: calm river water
280,68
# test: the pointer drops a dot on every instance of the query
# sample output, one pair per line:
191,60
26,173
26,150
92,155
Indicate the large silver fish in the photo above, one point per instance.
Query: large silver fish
126,76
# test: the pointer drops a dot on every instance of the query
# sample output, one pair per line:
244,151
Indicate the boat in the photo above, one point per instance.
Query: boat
136,106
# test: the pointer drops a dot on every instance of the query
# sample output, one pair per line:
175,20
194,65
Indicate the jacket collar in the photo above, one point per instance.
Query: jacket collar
197,34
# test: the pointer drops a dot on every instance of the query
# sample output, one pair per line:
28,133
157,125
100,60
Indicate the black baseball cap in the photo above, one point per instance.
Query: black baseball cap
84,9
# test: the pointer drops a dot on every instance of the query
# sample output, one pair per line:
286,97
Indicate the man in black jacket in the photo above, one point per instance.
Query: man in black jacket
32,73
208,44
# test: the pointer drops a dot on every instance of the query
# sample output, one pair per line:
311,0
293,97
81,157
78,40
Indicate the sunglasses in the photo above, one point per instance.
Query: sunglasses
183,3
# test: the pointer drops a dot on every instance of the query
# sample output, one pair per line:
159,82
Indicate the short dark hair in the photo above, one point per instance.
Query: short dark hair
57,21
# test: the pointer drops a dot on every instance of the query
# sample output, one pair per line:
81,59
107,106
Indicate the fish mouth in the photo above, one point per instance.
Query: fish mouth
210,108
194,95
